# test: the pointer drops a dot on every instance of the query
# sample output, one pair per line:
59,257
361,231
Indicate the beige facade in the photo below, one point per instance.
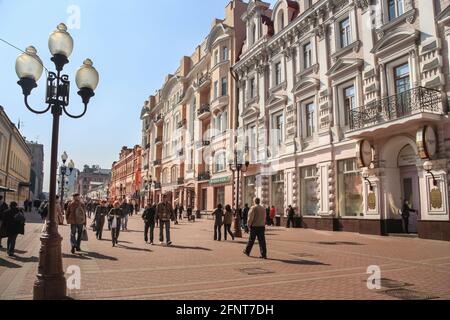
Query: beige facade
15,161
186,124
320,79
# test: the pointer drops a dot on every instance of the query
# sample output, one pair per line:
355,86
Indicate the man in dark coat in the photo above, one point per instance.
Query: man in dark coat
164,213
149,217
100,213
13,225
406,214
3,208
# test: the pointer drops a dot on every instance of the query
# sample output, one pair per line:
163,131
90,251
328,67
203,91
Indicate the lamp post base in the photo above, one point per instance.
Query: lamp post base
237,228
50,283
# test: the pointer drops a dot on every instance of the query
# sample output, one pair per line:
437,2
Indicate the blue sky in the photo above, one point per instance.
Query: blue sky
133,44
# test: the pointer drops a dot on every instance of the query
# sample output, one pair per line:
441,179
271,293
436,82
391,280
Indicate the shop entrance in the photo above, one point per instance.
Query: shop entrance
409,184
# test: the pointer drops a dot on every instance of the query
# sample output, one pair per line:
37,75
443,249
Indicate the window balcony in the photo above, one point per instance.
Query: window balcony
203,81
406,108
204,176
158,141
202,144
157,163
180,181
204,112
157,185
181,124
158,119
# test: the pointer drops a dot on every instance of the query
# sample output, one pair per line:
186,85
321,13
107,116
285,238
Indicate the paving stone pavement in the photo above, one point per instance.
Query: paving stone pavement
303,264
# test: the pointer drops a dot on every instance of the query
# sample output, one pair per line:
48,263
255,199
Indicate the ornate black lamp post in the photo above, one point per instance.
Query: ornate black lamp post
64,173
50,283
237,166
148,187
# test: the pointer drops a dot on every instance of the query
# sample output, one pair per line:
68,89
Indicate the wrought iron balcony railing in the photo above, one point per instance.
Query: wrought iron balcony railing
201,144
203,176
417,100
204,109
157,163
157,185
180,181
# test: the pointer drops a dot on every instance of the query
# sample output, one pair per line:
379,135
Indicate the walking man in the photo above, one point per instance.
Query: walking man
181,209
256,222
115,216
100,214
164,213
125,213
218,221
291,214
76,217
245,217
149,218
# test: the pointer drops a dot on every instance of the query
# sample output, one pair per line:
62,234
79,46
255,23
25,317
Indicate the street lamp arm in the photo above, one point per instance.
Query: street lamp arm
74,116
33,110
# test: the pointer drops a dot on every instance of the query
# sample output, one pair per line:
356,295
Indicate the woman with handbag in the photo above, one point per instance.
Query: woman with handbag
99,220
114,217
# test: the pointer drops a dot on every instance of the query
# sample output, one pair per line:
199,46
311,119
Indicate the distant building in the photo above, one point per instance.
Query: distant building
15,162
89,175
126,175
37,170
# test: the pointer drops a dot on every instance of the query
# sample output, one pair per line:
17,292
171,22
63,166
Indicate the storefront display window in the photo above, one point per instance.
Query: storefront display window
278,192
250,190
350,189
308,189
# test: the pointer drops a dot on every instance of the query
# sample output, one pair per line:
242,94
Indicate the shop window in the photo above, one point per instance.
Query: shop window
220,197
278,192
309,197
250,190
350,188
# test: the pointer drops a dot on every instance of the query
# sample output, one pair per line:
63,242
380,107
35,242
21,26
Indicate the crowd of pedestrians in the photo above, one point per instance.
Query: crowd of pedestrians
12,223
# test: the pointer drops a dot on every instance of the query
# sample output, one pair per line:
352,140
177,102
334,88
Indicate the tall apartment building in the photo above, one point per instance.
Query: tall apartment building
185,141
37,169
126,175
343,102
15,162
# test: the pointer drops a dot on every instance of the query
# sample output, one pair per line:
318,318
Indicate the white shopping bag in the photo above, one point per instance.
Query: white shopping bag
114,223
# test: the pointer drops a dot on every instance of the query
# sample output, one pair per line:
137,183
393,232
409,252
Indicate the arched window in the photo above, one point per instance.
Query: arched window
280,20
253,33
174,174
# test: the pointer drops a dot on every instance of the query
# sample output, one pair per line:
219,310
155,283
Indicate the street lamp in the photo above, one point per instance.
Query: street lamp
428,166
237,167
64,174
149,188
366,175
50,283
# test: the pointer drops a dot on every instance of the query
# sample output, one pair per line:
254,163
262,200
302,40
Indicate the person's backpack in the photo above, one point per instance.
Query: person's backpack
43,210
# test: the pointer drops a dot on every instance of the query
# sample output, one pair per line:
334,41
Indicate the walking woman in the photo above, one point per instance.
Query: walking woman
218,221
13,225
100,213
227,221
114,216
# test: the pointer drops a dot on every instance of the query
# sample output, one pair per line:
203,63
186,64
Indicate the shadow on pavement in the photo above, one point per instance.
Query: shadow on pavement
133,249
8,264
88,256
300,262
191,248
339,243
26,260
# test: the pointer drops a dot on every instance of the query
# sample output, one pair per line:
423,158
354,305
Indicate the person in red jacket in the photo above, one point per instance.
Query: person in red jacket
273,213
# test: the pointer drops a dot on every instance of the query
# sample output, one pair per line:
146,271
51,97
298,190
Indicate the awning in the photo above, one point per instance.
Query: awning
5,189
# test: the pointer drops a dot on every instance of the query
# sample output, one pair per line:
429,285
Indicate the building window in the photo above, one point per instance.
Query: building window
221,162
402,86
345,32
220,196
309,198
350,189
277,73
216,57
349,103
252,87
204,199
278,192
279,126
250,190
224,86
395,8
225,54
280,20
253,32
216,89
252,142
307,56
310,121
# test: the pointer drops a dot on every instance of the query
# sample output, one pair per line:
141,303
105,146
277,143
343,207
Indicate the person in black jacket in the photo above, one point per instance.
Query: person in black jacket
100,214
13,225
3,208
149,217
405,215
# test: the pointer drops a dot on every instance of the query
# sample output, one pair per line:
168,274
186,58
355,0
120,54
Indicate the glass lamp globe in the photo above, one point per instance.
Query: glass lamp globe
365,173
64,157
29,65
71,165
87,76
428,166
60,41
